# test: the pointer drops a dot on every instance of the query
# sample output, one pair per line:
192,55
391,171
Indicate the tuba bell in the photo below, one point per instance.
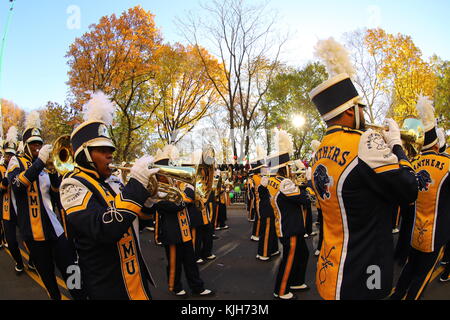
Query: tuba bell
61,157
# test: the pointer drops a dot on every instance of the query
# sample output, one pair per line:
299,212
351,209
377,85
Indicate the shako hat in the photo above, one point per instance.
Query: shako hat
281,158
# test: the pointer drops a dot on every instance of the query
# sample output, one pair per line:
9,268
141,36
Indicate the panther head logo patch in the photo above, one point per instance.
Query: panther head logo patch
322,182
424,179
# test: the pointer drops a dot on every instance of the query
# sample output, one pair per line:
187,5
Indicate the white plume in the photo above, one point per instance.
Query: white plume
33,120
172,152
315,145
334,56
20,147
441,137
11,136
159,155
196,157
283,141
425,110
260,152
99,108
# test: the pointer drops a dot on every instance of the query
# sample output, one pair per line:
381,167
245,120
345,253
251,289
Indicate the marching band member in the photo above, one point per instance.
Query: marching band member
431,230
287,201
221,207
442,150
8,203
35,190
254,181
102,220
175,235
359,178
314,147
307,207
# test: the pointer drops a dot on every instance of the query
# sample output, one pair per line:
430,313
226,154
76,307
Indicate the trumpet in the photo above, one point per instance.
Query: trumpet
200,176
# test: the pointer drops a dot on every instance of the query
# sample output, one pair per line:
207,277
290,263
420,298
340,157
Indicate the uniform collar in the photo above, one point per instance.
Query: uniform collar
429,152
92,173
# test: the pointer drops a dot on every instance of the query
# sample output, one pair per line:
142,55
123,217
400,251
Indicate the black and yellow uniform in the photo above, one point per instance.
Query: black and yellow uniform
290,229
35,192
104,225
175,235
268,240
221,208
431,229
201,227
9,218
255,180
358,182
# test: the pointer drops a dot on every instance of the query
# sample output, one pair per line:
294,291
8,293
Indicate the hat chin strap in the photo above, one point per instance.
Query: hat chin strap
357,119
88,158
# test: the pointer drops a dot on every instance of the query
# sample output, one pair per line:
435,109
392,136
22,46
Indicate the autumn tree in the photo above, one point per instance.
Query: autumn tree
442,93
243,38
288,95
368,65
186,92
118,56
404,73
12,115
56,120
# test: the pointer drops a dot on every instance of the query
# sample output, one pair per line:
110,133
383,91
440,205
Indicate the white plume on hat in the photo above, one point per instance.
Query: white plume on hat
334,56
11,136
315,145
172,152
99,108
20,147
196,157
425,110
441,137
283,141
159,154
33,120
261,153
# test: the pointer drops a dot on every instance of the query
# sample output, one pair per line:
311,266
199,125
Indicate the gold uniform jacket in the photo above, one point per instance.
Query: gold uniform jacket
8,211
358,183
255,183
104,226
432,210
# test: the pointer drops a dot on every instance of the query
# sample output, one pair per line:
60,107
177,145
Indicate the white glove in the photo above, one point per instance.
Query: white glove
44,153
142,171
392,137
264,181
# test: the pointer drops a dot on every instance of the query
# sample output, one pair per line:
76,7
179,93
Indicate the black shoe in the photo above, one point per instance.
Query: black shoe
18,268
215,237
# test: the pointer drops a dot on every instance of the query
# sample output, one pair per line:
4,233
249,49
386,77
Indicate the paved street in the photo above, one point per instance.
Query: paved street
234,275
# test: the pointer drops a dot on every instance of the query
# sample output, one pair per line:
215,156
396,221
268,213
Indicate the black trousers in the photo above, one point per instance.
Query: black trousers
268,240
292,269
404,236
416,274
256,225
202,239
10,228
48,253
446,257
221,215
181,256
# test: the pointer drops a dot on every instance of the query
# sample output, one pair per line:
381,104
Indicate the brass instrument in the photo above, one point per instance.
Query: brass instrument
412,138
61,158
200,176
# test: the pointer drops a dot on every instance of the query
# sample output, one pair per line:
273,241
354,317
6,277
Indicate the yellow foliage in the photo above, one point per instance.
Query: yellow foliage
404,74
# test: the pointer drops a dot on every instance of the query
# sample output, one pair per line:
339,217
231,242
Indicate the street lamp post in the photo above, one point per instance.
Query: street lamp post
2,49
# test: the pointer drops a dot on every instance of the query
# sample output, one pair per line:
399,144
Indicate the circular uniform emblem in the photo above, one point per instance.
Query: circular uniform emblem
35,132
